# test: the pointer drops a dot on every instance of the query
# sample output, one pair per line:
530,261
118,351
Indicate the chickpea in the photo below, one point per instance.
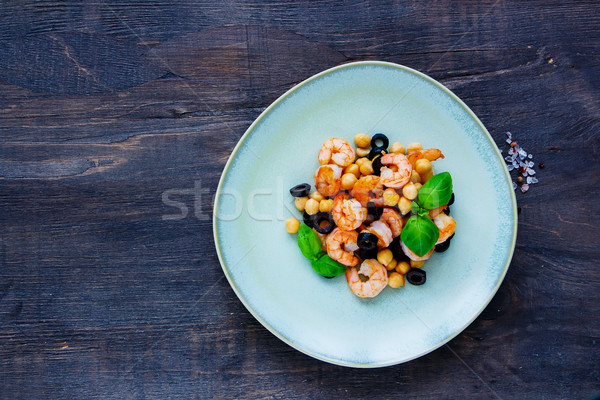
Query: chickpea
415,177
366,168
353,169
390,197
362,140
392,265
311,207
409,191
360,161
402,267
427,176
416,264
414,147
395,280
348,181
397,148
292,225
326,205
389,268
385,257
418,186
404,205
362,152
300,203
423,166
316,196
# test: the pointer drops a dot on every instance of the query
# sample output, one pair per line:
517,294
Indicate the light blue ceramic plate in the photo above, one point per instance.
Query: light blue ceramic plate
321,317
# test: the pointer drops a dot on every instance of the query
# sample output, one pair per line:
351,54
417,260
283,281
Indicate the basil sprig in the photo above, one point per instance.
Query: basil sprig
310,246
309,243
420,234
327,266
436,191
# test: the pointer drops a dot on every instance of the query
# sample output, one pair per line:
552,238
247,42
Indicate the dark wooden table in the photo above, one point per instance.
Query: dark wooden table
107,106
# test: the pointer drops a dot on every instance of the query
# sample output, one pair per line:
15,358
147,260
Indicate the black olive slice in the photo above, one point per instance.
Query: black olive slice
451,199
447,210
373,212
308,219
366,254
377,165
367,241
397,251
442,247
416,276
380,140
323,222
300,190
375,152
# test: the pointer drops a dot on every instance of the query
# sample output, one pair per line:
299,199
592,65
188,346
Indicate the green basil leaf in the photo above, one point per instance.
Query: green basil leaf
327,267
309,243
419,235
414,208
436,191
422,212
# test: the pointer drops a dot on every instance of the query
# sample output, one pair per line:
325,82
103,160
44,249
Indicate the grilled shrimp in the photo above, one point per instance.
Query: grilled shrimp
396,170
338,151
376,278
434,212
393,219
383,233
368,188
412,255
347,214
446,224
328,179
339,243
429,154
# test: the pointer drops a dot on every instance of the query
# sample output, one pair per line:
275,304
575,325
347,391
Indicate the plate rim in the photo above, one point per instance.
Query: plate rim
258,120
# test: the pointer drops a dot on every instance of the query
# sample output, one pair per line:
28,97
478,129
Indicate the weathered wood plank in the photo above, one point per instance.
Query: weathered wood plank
105,292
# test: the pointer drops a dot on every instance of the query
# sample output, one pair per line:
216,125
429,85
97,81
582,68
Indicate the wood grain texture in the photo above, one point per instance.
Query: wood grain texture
107,292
